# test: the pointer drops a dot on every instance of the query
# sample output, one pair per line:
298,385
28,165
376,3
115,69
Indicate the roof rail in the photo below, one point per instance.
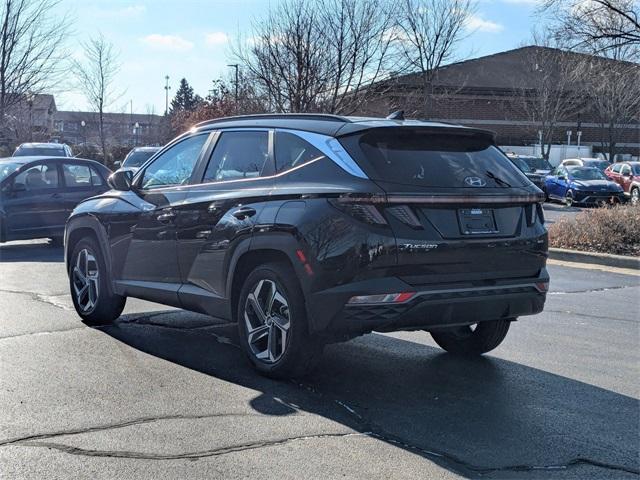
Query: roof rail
274,116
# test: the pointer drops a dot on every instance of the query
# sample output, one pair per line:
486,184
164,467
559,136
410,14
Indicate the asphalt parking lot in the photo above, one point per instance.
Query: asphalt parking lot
555,211
167,394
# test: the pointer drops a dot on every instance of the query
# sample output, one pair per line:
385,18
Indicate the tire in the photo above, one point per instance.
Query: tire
568,199
635,196
468,341
546,194
96,306
276,338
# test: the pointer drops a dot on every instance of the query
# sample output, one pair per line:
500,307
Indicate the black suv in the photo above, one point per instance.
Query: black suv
308,229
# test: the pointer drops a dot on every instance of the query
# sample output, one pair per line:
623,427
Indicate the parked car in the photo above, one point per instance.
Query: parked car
43,149
536,178
581,185
137,156
627,175
537,164
586,162
308,229
37,194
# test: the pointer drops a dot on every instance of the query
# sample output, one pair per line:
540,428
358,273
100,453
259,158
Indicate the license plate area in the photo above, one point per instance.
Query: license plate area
477,221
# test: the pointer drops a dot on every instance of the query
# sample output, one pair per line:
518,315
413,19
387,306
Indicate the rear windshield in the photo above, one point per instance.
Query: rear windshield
425,159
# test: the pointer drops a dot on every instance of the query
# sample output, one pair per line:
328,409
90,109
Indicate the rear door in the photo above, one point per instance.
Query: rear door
80,180
625,178
34,205
460,210
219,212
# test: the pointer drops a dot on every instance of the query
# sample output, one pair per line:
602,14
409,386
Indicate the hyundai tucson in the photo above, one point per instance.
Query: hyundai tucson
310,229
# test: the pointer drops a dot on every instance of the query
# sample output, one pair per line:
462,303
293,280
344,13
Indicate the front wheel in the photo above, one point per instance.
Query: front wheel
88,281
472,339
568,199
635,196
272,323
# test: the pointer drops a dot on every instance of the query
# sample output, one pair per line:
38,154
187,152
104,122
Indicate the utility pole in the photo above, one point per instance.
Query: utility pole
166,95
235,65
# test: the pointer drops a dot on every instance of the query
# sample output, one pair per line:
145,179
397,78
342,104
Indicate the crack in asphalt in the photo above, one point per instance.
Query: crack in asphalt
186,455
113,426
43,332
588,315
594,290
39,297
376,431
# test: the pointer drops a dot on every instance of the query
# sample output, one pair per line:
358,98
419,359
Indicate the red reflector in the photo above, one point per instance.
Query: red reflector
403,297
542,286
301,256
308,269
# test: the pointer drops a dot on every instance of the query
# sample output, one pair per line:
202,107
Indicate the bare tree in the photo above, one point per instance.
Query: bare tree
319,56
613,89
31,47
600,24
427,33
95,75
551,92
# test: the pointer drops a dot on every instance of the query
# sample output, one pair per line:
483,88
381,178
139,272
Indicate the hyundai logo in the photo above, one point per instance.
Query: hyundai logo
475,182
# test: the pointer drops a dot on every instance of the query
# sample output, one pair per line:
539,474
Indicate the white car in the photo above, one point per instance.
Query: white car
598,163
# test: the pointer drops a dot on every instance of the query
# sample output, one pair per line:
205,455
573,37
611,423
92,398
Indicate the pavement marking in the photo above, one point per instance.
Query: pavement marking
593,266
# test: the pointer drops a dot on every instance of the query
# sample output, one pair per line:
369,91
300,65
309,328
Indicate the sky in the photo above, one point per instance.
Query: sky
192,39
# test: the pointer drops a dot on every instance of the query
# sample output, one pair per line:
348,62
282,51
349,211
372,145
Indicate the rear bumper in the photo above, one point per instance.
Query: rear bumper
431,307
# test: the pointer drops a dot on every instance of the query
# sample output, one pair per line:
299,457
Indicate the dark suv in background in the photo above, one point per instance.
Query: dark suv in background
308,229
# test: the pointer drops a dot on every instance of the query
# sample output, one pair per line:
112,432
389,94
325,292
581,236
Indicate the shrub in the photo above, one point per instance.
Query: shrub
608,230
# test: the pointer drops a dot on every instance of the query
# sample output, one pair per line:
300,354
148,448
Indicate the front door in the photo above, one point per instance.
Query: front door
33,204
143,230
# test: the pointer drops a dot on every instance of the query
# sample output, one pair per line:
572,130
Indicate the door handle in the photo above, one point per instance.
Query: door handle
244,212
166,217
56,195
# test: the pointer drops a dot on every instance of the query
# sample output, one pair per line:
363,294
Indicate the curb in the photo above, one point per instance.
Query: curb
607,259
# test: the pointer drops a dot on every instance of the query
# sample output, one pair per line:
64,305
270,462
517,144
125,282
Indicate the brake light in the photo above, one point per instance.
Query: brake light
542,287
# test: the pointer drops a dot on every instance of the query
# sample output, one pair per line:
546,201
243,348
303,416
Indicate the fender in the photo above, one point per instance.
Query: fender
90,221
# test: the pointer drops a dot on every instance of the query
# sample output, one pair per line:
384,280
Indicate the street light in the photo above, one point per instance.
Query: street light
84,132
135,134
235,65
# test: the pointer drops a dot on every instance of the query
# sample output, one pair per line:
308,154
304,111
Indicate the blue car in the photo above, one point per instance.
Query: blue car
581,185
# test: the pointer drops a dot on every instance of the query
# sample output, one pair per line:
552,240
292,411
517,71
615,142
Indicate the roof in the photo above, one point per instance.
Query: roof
325,124
145,149
42,145
504,70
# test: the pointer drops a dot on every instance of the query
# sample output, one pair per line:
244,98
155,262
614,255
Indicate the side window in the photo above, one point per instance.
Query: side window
292,151
238,155
616,168
96,179
625,170
76,176
175,166
39,177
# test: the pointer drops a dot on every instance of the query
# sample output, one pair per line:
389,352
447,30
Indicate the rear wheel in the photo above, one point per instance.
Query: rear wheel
88,281
272,323
472,339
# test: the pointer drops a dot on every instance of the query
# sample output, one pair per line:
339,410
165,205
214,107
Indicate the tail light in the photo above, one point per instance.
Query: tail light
382,298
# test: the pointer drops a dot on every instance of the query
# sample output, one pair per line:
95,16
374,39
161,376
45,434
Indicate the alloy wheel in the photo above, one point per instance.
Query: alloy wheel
635,196
266,316
568,199
86,281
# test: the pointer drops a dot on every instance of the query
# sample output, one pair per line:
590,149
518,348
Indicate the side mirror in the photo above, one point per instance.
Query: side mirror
561,177
121,180
117,163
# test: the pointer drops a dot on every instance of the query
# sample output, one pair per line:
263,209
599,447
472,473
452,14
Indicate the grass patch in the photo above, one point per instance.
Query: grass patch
606,230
